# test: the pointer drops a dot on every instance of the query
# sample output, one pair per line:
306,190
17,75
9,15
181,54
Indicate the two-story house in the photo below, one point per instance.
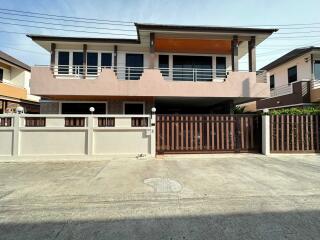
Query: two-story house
14,86
294,79
177,69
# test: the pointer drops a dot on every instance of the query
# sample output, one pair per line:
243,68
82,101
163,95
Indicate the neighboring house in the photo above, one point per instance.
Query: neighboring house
14,86
294,79
177,69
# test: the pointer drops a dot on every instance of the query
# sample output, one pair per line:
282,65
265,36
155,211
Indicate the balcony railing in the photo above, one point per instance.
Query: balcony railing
135,73
315,83
281,90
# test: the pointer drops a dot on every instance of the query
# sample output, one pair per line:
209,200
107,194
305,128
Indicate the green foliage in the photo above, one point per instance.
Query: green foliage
296,111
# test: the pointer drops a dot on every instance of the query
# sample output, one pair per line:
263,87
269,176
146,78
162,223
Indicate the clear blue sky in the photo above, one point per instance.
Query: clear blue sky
192,12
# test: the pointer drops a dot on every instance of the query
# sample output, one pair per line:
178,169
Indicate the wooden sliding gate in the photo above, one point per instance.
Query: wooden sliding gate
208,133
299,134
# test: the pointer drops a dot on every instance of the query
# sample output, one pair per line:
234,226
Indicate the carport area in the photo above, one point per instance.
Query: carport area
230,196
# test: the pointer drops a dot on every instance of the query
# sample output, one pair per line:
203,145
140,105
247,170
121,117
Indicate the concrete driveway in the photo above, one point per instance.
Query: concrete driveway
178,197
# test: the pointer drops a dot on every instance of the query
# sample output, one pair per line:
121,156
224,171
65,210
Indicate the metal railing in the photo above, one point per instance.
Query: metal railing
193,74
135,73
281,90
315,83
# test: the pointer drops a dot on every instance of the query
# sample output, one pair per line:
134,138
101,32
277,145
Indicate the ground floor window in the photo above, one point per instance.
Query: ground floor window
83,108
133,108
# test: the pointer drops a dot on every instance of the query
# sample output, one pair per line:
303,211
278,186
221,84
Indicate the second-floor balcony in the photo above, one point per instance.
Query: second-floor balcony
141,81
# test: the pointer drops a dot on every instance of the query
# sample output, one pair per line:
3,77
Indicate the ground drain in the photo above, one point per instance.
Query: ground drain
163,185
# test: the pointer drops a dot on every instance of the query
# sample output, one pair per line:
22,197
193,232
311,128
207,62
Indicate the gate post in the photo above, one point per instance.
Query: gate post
153,132
16,135
266,134
90,135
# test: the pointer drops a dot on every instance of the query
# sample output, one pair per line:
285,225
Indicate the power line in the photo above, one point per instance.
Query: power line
68,25
67,30
61,16
23,50
66,20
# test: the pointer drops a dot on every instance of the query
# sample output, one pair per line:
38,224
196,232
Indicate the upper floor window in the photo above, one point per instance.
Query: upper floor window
292,74
106,59
63,62
1,74
92,63
317,69
164,65
134,66
221,67
272,82
77,62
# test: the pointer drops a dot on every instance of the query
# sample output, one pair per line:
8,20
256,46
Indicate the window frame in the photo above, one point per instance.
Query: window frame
272,77
296,68
316,61
224,73
1,74
133,102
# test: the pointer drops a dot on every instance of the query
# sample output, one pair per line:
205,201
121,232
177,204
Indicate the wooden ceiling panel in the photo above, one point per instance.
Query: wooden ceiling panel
193,46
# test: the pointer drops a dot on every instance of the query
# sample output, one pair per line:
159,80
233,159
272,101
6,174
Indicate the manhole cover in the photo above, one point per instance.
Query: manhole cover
163,185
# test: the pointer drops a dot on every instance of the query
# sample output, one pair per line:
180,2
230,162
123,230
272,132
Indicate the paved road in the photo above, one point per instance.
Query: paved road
194,197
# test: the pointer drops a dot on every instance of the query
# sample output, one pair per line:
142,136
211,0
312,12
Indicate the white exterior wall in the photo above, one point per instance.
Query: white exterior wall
303,70
56,139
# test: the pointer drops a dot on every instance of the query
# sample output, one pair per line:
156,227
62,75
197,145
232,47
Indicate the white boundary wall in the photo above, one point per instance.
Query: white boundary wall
56,139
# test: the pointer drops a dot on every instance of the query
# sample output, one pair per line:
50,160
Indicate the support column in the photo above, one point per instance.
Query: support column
53,54
16,135
265,134
84,62
152,51
235,53
115,58
252,54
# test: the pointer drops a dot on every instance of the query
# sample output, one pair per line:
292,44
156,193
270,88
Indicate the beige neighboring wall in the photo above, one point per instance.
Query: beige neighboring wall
315,95
152,83
303,70
249,107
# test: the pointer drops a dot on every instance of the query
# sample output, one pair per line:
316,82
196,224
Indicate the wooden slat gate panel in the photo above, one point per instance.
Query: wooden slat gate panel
208,133
291,133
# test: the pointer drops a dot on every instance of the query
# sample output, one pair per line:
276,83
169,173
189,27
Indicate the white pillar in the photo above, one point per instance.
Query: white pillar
153,132
90,135
16,135
266,134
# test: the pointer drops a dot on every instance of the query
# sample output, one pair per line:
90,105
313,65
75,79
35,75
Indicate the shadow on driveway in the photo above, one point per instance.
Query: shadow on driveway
277,225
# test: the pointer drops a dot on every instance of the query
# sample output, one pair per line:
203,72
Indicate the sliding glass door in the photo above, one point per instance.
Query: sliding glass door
192,68
134,66
92,63
63,63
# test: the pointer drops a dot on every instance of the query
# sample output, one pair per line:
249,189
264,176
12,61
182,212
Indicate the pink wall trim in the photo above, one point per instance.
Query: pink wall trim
152,83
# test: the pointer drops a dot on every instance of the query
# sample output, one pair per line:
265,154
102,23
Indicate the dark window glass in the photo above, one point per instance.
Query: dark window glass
221,67
292,74
164,65
192,68
1,74
92,63
83,108
106,59
77,62
133,108
63,62
272,82
134,66
317,69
